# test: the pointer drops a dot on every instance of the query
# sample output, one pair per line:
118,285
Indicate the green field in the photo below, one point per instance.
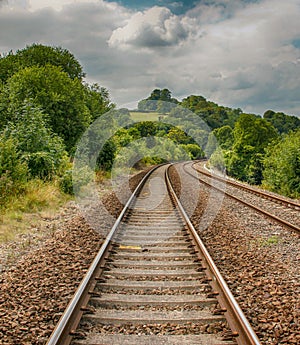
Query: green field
138,116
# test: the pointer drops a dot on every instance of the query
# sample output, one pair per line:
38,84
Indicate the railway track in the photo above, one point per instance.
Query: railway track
284,211
153,282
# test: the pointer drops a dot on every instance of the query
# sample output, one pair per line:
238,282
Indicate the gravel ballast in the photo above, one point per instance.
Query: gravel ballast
36,288
258,258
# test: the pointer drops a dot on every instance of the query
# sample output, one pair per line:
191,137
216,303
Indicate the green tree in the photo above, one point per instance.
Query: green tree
13,172
193,150
217,159
40,55
107,155
42,151
194,103
212,144
224,137
200,136
179,136
282,122
155,95
252,135
146,128
152,102
97,100
52,90
282,166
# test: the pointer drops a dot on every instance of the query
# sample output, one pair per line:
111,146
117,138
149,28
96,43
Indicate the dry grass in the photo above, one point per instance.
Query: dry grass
139,116
41,200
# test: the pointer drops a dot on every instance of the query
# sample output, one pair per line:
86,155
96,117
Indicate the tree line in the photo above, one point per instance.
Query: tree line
260,150
46,106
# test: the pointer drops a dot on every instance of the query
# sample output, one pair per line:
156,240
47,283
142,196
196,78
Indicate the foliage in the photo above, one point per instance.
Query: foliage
194,151
224,136
252,135
282,166
97,100
44,108
179,136
146,128
13,172
107,155
212,144
60,97
200,136
214,115
217,159
42,151
66,182
159,100
282,122
40,55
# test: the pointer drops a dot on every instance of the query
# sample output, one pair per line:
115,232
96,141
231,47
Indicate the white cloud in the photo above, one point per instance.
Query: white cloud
234,53
155,27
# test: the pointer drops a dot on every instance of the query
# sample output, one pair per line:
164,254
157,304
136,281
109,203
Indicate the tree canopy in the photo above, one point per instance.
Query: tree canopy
158,101
45,106
60,97
282,166
252,135
282,122
40,55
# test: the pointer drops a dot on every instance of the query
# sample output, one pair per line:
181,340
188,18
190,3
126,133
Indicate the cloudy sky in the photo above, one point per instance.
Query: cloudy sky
238,53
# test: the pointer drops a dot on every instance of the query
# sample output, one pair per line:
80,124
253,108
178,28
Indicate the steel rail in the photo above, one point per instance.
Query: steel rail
249,189
287,224
237,321
60,335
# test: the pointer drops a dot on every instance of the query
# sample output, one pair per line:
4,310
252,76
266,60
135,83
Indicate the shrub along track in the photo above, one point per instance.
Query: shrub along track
284,210
265,255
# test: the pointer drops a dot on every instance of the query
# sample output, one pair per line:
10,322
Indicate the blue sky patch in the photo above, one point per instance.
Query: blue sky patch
177,7
296,43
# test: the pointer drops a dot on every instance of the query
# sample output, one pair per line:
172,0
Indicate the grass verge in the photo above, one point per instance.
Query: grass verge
23,212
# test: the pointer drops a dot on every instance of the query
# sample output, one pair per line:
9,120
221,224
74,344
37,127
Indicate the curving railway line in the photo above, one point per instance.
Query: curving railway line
153,282
282,210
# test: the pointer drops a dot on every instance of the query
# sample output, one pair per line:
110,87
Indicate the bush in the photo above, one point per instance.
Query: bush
193,150
66,183
13,173
42,151
282,166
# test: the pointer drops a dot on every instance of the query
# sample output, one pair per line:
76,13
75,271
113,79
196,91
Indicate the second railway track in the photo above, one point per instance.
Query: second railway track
284,211
153,282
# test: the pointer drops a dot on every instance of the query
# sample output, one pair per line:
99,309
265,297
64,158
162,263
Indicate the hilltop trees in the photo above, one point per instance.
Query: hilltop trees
157,101
282,122
214,115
